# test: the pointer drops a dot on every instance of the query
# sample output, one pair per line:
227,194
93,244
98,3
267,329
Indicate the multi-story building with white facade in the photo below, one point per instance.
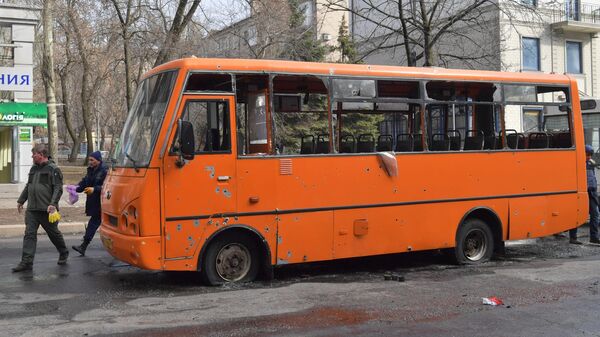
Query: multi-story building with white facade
265,32
514,35
18,114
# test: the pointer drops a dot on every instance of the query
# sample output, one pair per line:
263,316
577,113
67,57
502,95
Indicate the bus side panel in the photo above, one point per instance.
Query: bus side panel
181,237
186,239
256,184
373,231
532,217
304,237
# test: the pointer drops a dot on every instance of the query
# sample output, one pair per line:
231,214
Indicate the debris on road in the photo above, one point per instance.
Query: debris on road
492,301
393,277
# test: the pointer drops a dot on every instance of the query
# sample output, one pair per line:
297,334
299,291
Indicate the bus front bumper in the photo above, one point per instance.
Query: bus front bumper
142,252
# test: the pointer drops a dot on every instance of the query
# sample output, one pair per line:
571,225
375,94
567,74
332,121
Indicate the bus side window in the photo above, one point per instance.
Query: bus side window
211,125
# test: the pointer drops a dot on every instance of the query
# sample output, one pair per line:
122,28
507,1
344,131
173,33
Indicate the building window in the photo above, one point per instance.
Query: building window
306,10
6,52
532,3
531,53
574,57
532,120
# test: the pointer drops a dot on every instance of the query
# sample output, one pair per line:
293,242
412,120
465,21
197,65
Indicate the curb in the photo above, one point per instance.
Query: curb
11,231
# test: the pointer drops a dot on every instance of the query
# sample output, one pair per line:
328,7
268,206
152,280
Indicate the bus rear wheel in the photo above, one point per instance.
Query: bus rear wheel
474,242
230,258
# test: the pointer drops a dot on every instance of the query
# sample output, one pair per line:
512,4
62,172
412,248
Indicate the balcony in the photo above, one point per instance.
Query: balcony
574,17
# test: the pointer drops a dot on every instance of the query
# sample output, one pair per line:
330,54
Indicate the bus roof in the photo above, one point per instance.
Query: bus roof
359,70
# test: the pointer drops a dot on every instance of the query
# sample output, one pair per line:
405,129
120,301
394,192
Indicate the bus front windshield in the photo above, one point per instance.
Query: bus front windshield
144,120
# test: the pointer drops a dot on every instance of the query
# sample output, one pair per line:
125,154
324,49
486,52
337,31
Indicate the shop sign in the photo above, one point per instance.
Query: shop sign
16,79
25,134
23,114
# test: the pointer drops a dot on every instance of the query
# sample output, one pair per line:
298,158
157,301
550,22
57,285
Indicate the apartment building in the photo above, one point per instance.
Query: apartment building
18,114
509,35
266,31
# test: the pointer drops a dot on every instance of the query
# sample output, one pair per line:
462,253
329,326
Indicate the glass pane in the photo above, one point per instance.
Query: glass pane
531,54
211,125
520,93
144,120
257,119
531,120
573,57
354,88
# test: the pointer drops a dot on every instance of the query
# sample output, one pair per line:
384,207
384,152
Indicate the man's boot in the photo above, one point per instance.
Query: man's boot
22,267
62,258
81,248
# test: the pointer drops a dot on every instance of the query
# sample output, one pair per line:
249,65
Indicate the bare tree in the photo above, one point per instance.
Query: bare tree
94,68
128,13
48,76
430,32
183,16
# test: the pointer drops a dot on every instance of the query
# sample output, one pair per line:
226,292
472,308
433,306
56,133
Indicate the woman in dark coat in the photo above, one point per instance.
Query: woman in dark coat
91,185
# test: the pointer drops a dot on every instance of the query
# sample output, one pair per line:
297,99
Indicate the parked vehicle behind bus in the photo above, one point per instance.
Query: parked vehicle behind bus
231,167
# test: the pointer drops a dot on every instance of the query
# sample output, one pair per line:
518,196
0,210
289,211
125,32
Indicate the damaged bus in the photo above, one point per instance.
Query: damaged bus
232,167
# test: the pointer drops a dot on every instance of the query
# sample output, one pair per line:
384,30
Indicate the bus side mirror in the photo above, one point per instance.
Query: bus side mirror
187,146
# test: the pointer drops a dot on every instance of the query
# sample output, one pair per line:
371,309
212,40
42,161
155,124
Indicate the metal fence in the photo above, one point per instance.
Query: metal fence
574,11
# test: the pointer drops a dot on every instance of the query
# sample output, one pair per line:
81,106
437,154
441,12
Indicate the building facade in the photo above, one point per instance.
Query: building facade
509,35
18,114
266,32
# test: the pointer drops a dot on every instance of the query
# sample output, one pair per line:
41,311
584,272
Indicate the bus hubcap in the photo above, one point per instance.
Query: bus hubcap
233,262
475,245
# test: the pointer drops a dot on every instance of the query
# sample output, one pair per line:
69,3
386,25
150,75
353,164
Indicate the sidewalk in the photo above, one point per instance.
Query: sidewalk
12,223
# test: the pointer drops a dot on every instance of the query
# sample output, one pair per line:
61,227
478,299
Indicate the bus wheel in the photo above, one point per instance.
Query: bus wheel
474,242
230,258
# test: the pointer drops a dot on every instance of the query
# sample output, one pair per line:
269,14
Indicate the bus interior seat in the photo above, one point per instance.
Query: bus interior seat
322,144
348,144
365,143
474,140
307,144
212,140
538,140
440,142
514,140
454,139
384,143
492,142
562,140
417,142
404,142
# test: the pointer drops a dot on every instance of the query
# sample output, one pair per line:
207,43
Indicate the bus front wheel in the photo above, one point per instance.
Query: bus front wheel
474,242
230,258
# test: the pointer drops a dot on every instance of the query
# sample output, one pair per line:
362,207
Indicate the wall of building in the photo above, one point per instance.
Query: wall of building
23,20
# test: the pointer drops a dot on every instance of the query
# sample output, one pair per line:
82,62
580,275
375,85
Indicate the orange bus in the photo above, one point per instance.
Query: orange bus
231,167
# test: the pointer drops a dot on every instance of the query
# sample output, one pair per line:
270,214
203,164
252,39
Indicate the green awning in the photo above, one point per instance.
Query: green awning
26,114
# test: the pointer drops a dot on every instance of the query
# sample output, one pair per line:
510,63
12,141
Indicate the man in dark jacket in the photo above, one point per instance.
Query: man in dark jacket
592,188
42,193
91,185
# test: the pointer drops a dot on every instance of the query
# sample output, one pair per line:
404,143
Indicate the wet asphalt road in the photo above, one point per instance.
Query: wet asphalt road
550,288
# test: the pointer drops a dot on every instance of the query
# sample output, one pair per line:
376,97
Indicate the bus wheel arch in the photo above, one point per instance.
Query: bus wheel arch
478,236
246,250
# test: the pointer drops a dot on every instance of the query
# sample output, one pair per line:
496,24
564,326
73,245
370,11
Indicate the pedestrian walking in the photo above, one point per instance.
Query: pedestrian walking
592,189
42,194
91,185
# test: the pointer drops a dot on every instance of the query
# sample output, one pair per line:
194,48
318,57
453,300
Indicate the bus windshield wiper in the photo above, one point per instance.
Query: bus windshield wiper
133,161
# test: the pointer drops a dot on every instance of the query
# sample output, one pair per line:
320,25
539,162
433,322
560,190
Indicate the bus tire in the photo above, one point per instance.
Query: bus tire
474,242
230,258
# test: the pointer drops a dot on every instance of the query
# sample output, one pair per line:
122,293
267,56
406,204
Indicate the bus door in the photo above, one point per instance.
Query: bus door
205,185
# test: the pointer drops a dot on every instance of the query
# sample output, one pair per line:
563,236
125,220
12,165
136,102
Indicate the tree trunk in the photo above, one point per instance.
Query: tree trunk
128,94
76,145
180,21
48,77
